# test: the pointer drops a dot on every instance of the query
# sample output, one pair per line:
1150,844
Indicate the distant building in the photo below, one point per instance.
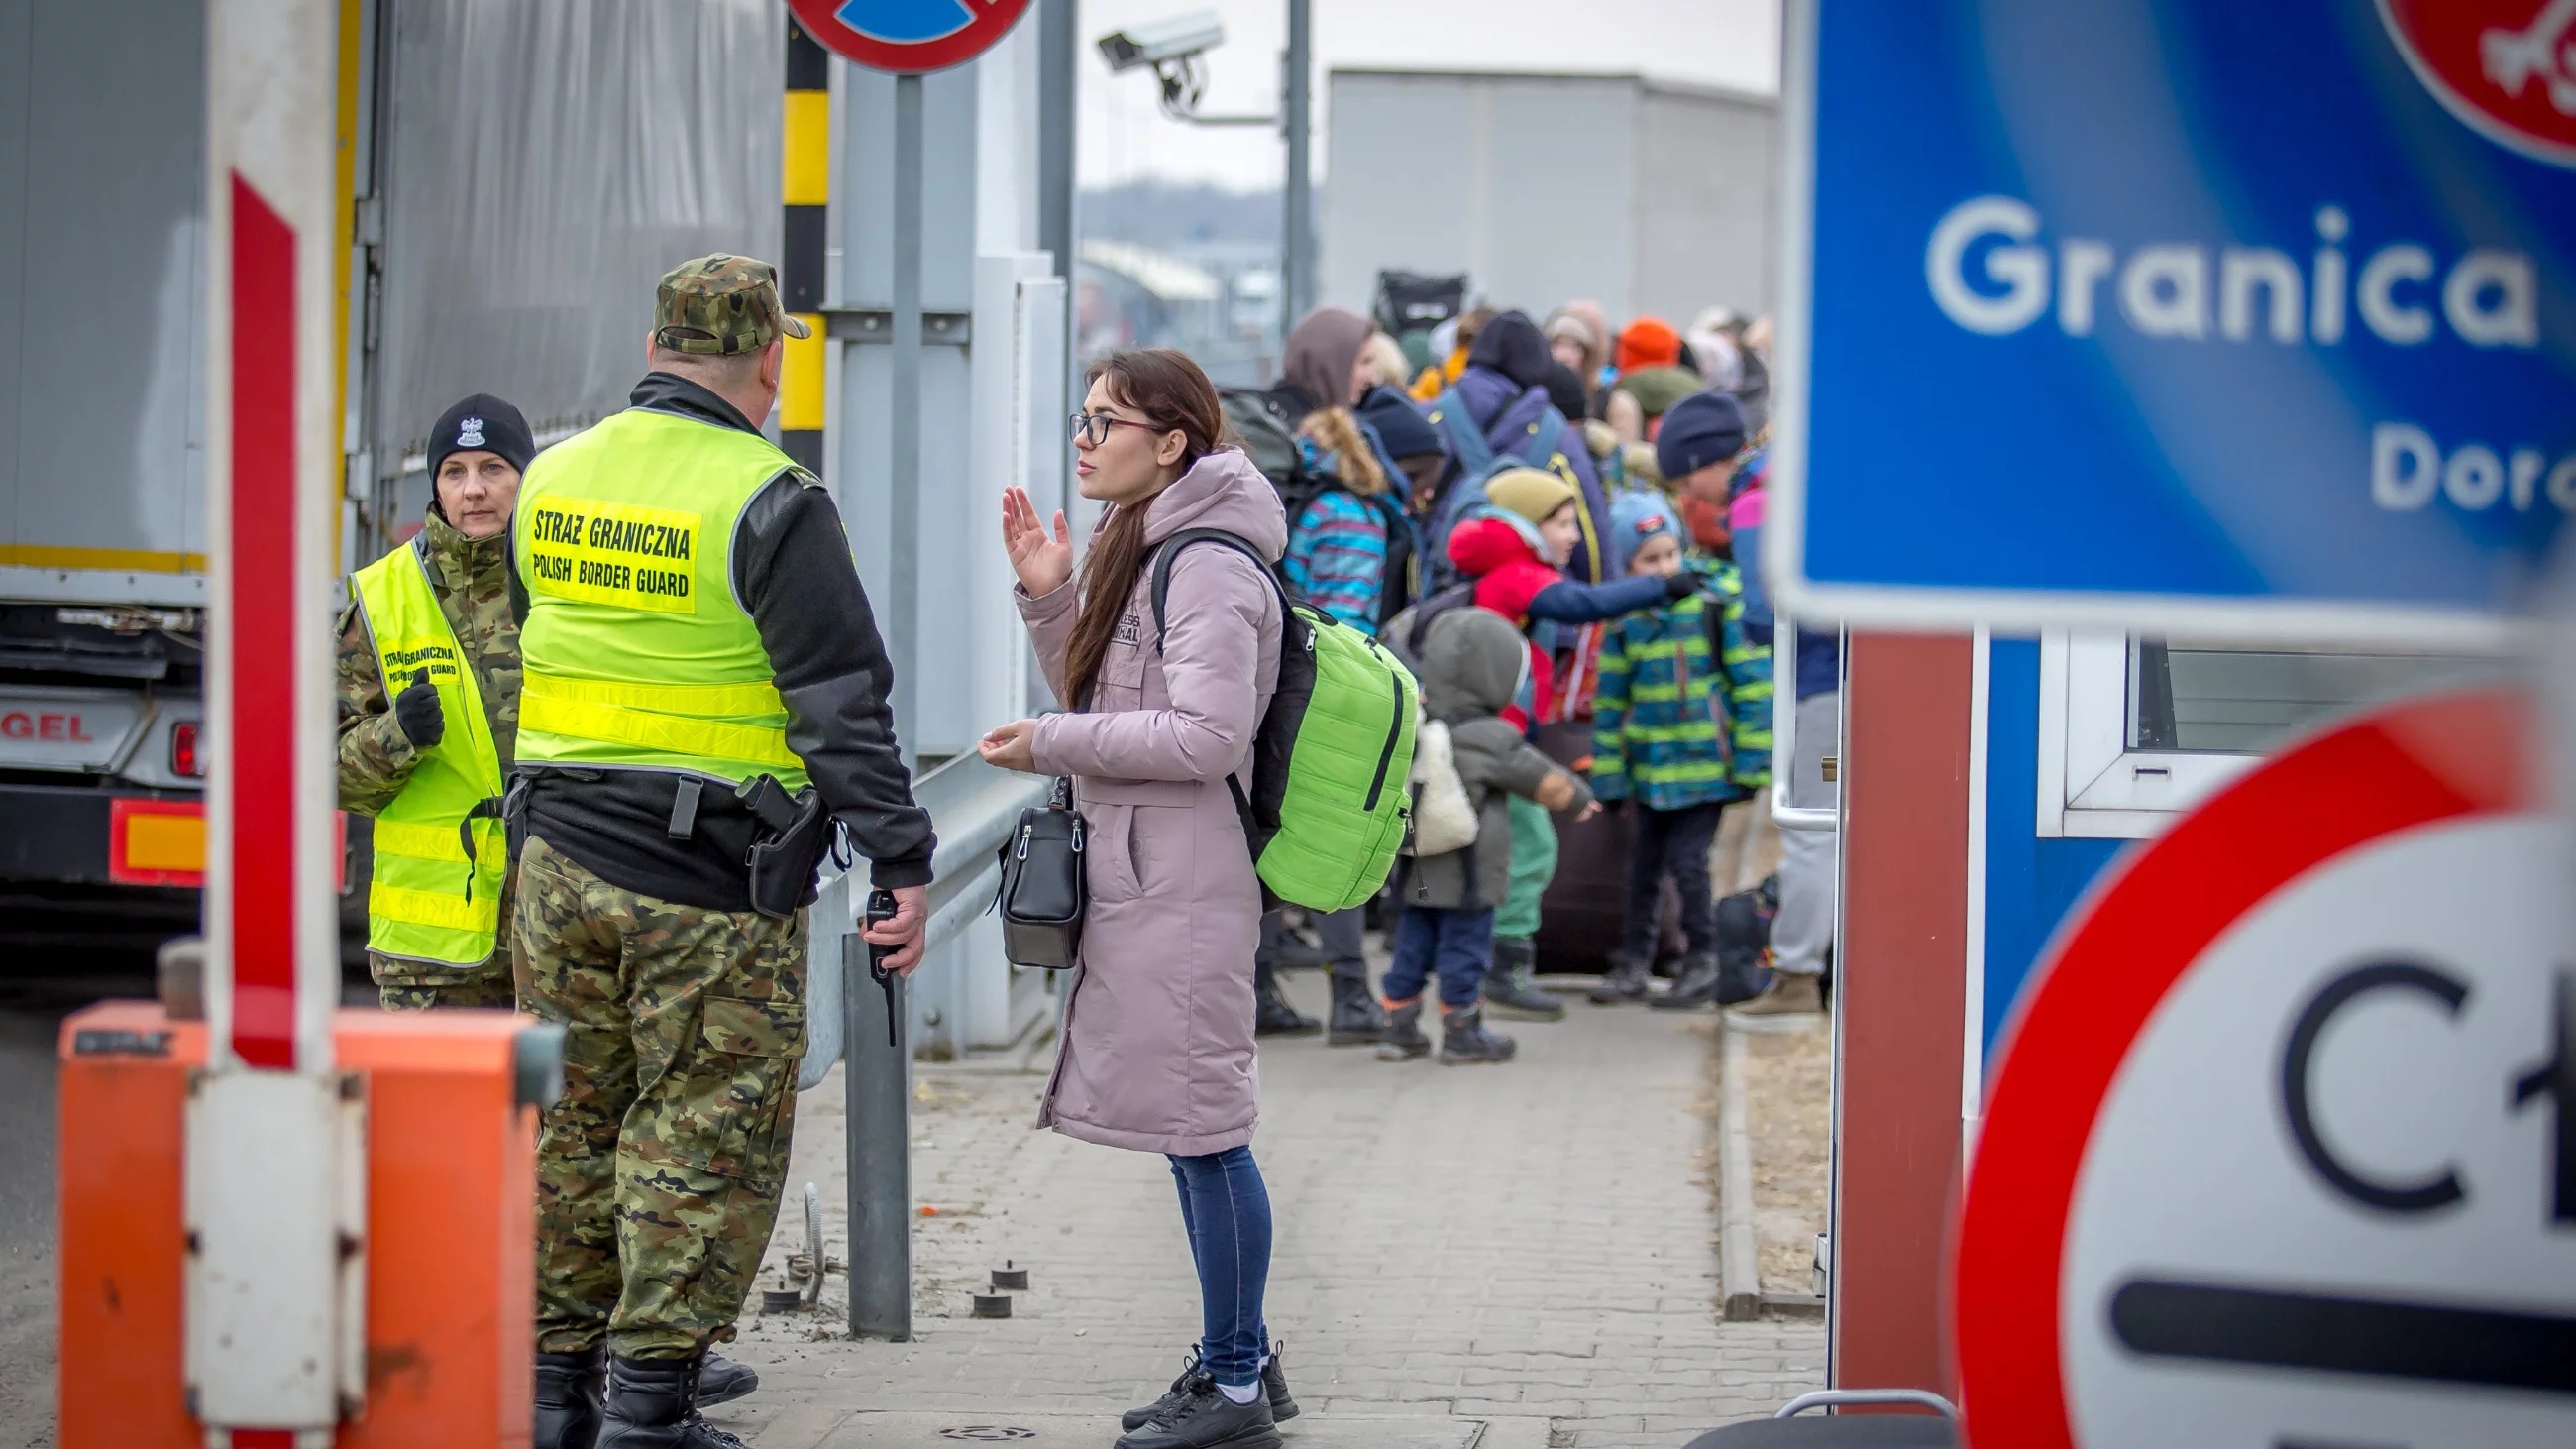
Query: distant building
1647,195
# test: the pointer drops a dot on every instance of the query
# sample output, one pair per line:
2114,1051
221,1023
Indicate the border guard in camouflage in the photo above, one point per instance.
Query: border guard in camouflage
428,677
704,716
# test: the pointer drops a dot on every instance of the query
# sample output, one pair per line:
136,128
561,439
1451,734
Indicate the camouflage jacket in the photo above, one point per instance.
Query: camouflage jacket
471,578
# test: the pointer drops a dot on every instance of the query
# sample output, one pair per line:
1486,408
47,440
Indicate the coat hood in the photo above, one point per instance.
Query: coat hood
1489,538
1472,662
1222,490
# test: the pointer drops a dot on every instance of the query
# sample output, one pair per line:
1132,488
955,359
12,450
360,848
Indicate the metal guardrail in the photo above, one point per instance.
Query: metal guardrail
973,806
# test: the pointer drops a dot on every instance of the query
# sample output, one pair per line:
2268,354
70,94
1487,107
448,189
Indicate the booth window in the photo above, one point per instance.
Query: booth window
2133,731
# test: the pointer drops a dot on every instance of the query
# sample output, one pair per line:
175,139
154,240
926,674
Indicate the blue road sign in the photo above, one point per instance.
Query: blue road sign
2177,314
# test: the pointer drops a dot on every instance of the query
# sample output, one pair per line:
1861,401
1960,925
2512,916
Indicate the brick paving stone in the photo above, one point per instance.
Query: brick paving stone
1530,1246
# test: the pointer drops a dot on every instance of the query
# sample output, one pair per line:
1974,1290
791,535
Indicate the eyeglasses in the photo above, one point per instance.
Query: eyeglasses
1096,426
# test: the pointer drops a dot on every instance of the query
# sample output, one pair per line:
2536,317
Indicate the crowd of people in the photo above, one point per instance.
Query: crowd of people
618,701
1554,524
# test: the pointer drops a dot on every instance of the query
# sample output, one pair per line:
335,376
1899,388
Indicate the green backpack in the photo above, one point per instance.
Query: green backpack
1328,805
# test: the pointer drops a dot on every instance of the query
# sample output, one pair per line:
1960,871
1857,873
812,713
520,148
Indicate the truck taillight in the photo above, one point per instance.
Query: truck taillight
184,759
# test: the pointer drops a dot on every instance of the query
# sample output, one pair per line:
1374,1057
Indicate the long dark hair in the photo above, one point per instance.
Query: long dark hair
1173,395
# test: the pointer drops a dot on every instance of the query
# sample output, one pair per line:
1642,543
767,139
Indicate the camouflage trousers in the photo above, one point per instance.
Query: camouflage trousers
658,1172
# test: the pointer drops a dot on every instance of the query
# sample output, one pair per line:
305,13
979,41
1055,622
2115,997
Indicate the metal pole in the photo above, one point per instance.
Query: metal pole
1297,245
1059,52
877,1077
807,142
876,1088
904,438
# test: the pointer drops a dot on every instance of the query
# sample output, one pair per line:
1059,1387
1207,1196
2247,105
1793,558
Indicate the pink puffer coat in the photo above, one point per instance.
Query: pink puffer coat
1157,1052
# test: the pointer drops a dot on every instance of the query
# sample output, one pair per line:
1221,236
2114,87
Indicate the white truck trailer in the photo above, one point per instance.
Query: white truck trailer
517,174
1649,196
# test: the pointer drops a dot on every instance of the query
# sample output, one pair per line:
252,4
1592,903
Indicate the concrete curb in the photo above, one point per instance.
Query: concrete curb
1739,1269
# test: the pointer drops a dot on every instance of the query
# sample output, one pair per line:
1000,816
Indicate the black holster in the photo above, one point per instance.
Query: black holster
787,850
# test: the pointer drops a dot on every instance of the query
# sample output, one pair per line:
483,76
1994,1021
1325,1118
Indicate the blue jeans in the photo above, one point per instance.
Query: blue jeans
1226,1210
1457,944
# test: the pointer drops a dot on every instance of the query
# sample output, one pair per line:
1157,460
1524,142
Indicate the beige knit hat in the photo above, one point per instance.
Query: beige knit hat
1533,493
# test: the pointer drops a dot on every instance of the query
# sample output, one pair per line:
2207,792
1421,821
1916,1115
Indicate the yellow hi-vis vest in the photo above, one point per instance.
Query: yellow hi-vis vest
637,654
440,866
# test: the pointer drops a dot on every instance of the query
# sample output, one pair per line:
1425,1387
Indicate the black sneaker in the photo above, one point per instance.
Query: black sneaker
1274,1387
1626,980
1206,1419
1172,1398
1695,987
1404,1040
1465,1042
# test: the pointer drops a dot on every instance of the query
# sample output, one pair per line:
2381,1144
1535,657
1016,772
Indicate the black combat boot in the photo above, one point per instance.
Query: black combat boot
569,1396
1404,1040
1271,1013
653,1404
1465,1042
721,1380
1696,985
1511,987
1626,981
1357,1018
1274,1387
1204,1418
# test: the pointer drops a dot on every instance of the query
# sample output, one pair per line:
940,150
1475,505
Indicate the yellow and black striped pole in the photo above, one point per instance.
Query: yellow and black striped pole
807,189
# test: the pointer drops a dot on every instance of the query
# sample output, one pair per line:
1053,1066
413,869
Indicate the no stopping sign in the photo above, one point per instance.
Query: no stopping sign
2280,1150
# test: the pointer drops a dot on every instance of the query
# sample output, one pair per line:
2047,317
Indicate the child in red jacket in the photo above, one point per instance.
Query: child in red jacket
1511,548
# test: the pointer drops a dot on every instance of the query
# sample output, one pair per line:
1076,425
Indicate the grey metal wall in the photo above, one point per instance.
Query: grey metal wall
1512,179
1710,162
1647,196
102,106
546,162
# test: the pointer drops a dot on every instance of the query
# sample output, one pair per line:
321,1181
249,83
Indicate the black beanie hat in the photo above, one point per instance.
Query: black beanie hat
1704,428
481,423
1400,425
1512,345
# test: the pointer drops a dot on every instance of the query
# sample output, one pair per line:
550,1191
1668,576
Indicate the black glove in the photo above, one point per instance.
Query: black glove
1681,585
416,710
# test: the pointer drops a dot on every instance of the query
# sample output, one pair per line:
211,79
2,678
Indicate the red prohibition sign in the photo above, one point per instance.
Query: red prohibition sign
908,37
2449,758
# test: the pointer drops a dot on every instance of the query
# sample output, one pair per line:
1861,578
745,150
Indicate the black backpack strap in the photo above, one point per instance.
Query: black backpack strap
1170,550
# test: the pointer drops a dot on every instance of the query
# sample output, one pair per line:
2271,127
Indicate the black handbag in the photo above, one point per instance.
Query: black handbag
1044,893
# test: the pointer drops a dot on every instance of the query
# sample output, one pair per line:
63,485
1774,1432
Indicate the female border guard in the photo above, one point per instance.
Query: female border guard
429,706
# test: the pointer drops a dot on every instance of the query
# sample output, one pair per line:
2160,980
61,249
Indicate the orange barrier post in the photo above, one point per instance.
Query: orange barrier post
451,1227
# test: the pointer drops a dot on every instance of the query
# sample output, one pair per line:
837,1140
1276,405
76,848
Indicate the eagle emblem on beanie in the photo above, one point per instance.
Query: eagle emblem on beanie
469,433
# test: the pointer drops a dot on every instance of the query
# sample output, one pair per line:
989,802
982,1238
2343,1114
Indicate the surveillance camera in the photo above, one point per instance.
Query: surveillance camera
1178,38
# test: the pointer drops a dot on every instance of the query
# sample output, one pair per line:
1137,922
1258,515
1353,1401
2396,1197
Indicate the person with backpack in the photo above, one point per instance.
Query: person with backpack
1681,727
1350,550
1497,416
1471,668
1508,550
1158,733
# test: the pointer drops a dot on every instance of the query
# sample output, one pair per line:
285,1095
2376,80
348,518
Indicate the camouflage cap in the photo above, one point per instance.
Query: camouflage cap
721,305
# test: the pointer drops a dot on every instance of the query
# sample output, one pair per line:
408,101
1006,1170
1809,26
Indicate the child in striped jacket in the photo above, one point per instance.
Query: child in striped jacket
1681,725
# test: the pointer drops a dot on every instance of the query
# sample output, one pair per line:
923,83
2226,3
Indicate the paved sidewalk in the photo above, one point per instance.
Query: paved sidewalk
1498,1257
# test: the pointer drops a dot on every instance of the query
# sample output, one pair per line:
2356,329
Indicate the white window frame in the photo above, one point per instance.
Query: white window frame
2091,784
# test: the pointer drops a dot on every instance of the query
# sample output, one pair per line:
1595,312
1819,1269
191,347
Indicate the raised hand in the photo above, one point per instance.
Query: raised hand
1043,563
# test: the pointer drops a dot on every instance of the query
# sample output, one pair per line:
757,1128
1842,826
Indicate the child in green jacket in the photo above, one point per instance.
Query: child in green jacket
1681,725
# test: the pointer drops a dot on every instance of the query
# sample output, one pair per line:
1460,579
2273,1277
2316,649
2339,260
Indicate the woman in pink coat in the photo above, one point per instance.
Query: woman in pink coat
1157,1052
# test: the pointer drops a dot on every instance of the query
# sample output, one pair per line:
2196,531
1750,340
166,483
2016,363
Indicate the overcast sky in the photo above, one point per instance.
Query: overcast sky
1719,42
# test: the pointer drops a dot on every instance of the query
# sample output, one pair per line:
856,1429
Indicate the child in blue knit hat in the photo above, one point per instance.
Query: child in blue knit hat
1681,725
